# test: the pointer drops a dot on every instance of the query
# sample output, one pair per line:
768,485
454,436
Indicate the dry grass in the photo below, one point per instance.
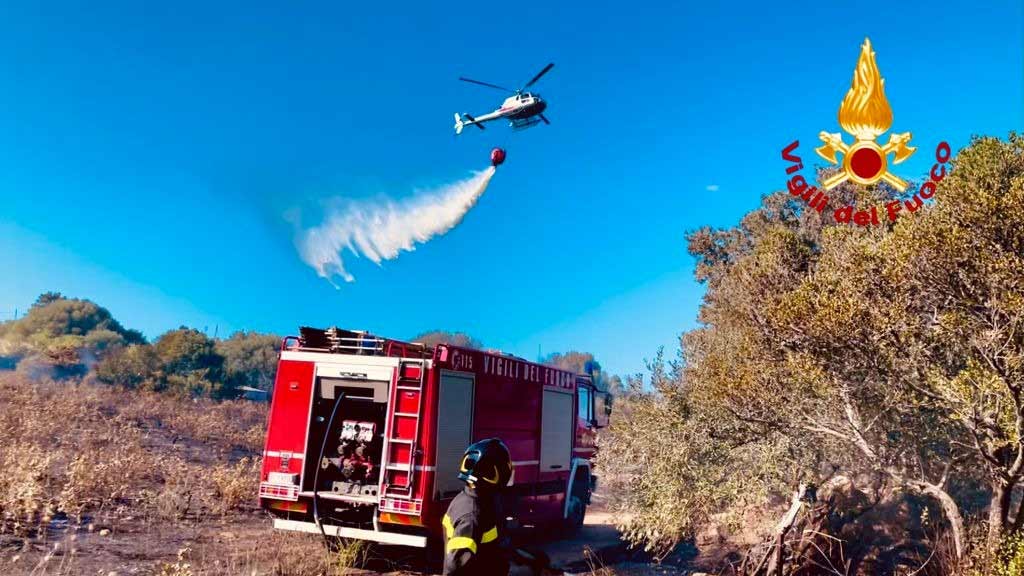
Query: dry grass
83,456
234,485
277,554
91,475
80,449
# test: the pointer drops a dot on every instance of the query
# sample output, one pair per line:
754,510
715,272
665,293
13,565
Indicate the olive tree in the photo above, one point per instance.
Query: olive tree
896,349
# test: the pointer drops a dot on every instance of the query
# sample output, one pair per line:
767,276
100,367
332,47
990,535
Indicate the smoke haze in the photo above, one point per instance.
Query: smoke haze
381,229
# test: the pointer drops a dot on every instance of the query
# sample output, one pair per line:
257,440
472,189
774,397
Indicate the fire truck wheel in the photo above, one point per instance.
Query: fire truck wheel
577,510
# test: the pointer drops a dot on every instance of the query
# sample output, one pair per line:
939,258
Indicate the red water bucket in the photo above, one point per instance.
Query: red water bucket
497,156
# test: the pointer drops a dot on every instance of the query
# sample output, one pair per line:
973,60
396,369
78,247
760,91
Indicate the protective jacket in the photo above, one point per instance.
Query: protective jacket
474,534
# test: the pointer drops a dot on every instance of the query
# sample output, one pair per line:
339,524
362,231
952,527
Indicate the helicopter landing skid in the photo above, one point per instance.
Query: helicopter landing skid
524,123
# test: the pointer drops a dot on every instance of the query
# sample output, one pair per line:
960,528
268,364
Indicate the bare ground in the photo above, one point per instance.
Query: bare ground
247,544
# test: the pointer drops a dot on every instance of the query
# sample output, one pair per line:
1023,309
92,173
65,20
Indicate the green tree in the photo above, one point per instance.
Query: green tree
250,359
896,350
435,337
191,364
957,279
798,343
583,363
53,315
46,298
579,362
65,332
133,366
672,462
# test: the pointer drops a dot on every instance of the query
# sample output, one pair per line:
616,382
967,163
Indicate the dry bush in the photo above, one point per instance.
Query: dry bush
235,485
25,486
181,567
226,425
181,492
255,436
100,476
82,449
96,459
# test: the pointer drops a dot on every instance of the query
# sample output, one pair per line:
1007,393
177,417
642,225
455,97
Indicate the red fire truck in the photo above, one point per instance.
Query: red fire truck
365,435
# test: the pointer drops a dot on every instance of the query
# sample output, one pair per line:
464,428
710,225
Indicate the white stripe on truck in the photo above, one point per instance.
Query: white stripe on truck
343,532
276,454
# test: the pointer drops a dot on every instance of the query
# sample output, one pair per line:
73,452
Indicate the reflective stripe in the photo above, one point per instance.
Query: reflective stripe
489,536
461,542
449,530
278,454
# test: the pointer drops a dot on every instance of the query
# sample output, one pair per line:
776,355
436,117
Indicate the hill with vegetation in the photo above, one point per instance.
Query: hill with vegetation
61,337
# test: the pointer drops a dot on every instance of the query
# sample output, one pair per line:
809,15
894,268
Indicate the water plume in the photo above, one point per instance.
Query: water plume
382,229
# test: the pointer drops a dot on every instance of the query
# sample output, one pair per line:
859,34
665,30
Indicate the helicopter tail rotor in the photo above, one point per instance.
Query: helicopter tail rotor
460,123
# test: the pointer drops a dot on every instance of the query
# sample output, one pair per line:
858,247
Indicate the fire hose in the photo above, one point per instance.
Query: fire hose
316,475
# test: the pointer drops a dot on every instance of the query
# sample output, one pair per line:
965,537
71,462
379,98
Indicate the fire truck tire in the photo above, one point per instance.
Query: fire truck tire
579,497
577,512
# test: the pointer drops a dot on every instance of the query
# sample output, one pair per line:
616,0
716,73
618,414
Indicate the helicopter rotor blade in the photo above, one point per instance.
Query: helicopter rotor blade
471,81
539,74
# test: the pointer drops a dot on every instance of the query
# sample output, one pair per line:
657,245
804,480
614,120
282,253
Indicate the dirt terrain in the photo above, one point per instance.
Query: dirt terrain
247,544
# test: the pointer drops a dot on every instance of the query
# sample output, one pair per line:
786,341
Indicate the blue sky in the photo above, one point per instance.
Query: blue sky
149,153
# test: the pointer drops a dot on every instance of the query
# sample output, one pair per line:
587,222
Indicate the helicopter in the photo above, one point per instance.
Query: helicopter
523,109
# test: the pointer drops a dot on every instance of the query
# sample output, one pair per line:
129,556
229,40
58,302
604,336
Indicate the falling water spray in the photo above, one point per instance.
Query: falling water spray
380,230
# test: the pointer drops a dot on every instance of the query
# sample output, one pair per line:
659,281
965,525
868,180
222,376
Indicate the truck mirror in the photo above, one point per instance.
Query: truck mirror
601,414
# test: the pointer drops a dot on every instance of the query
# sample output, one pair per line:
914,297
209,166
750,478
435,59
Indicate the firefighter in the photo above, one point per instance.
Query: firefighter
474,524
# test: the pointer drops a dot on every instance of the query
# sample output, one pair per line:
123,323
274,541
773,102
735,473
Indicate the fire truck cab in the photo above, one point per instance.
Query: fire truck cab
365,435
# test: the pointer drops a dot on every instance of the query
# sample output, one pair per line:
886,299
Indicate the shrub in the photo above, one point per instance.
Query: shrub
1008,560
83,449
134,366
26,486
235,485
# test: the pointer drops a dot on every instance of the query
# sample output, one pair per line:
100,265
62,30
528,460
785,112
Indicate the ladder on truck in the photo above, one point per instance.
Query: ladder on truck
405,411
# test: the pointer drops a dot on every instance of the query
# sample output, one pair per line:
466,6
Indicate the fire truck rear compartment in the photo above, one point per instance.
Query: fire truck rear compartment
348,476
